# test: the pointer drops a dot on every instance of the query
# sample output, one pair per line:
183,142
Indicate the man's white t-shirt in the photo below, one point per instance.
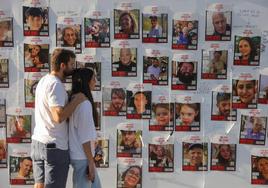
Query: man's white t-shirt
50,92
81,130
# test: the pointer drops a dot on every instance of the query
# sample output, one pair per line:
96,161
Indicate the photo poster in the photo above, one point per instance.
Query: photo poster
194,146
127,20
97,103
263,88
129,140
35,18
31,80
247,48
4,70
259,165
92,62
214,62
6,25
3,148
68,33
155,24
3,142
221,105
114,99
161,154
3,112
253,125
129,172
101,152
155,67
184,31
245,90
184,72
188,113
139,100
218,22
162,113
97,29
124,59
19,125
36,54
223,154
20,164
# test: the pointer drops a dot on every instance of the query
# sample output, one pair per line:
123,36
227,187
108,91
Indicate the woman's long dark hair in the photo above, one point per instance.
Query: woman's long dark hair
80,83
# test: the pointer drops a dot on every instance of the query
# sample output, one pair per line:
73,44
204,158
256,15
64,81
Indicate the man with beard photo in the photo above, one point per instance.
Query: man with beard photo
186,73
117,100
224,104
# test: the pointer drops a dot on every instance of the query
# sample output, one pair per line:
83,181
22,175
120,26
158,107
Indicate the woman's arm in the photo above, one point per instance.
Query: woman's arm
91,163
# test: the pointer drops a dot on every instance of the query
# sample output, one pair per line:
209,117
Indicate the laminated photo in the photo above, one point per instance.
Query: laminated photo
4,72
35,21
155,70
223,157
68,33
114,101
126,23
247,50
101,153
194,156
6,32
19,128
154,25
97,31
129,173
20,164
184,32
36,57
124,62
214,64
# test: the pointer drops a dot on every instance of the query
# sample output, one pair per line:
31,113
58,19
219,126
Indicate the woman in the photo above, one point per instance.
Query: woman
127,23
262,166
246,90
224,155
246,49
132,177
82,133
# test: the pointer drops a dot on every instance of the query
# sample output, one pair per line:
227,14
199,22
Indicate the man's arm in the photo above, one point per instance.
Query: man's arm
60,114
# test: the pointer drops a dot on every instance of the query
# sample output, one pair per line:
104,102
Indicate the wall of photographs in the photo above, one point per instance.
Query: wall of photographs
181,87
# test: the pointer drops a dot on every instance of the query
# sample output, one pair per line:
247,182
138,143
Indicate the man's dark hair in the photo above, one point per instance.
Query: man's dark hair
61,56
223,97
196,145
25,158
34,11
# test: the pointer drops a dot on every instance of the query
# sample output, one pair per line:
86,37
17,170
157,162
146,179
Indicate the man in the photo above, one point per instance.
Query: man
256,131
25,168
50,138
216,66
185,73
34,18
117,100
195,153
156,29
154,70
224,104
221,28
69,37
125,62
